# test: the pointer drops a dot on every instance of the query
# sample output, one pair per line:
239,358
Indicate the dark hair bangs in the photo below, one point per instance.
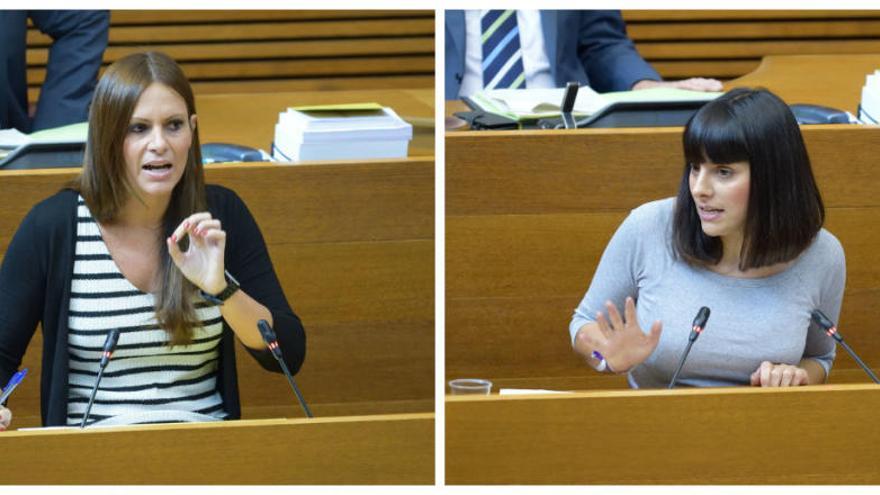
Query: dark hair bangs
714,135
785,209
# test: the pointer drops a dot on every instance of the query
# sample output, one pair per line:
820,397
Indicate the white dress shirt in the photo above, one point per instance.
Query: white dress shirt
531,38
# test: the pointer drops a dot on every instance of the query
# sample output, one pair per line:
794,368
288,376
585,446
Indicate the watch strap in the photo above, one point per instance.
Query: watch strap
232,287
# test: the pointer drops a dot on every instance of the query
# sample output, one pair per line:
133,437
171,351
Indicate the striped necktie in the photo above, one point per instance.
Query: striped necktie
502,56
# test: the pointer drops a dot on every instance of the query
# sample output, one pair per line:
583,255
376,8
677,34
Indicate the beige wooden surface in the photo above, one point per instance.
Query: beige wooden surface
249,119
831,80
352,244
726,44
382,449
807,435
529,214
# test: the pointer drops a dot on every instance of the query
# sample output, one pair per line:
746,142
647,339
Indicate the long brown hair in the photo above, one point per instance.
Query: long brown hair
106,188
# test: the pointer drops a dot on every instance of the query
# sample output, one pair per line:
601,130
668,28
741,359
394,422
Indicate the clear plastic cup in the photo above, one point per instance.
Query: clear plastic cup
470,386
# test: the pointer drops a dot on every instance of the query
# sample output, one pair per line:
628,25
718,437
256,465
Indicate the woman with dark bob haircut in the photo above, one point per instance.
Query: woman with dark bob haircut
744,237
139,243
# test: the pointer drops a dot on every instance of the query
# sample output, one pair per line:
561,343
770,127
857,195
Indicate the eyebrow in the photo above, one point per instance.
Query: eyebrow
718,166
145,119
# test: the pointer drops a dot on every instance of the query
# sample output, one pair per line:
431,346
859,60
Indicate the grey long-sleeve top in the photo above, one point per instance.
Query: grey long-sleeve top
752,320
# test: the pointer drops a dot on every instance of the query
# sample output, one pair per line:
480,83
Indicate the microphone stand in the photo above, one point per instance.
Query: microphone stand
109,346
272,342
697,329
831,330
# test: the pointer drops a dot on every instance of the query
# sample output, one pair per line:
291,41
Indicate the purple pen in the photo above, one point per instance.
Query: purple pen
603,364
13,382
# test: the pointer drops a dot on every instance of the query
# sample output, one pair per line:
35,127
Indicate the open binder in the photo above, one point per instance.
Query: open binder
524,109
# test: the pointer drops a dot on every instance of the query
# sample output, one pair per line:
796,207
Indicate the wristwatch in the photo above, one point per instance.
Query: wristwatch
231,287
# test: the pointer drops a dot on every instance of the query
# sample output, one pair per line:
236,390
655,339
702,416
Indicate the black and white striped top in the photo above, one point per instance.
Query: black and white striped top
147,380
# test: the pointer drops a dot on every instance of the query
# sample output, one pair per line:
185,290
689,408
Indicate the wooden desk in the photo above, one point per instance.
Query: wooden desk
353,246
831,80
389,449
524,234
805,435
529,214
249,118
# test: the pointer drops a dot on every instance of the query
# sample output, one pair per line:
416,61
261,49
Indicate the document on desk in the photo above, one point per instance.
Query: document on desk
140,418
74,133
12,139
340,132
529,391
869,108
530,104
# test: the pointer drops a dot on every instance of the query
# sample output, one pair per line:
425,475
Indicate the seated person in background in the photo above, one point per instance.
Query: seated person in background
138,242
547,49
79,38
744,237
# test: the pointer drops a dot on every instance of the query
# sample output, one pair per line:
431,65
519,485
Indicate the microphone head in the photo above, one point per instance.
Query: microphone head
109,346
702,317
112,339
821,320
269,338
266,332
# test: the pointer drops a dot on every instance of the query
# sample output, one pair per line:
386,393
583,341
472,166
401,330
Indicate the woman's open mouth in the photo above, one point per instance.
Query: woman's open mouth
709,214
156,166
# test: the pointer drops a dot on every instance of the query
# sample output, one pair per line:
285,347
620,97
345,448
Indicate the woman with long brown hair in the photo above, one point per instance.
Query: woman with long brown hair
138,242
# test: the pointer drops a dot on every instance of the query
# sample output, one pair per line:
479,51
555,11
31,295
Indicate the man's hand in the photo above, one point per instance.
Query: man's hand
693,84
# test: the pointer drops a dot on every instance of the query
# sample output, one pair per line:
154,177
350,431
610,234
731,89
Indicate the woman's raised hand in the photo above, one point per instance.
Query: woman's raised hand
202,263
622,342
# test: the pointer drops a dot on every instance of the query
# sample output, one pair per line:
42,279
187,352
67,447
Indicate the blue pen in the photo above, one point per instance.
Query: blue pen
13,382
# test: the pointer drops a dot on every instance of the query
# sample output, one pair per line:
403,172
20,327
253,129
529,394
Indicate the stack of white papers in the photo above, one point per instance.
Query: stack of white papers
869,110
340,132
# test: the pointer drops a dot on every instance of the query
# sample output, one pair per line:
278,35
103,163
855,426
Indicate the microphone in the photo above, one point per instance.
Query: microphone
109,347
272,342
696,329
568,99
831,330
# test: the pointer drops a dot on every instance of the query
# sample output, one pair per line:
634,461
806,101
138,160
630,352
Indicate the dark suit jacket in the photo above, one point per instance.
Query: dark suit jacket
587,46
79,39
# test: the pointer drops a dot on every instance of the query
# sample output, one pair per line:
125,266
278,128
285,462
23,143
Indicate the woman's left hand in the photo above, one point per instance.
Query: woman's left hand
779,375
202,263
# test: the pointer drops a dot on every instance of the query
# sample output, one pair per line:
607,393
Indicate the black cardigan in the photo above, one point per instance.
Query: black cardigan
35,280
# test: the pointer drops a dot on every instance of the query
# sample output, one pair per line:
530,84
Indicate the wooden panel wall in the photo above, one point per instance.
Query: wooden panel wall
353,246
525,232
727,44
246,51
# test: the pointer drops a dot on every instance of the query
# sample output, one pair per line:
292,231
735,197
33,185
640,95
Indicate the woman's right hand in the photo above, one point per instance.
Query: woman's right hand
620,340
5,418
